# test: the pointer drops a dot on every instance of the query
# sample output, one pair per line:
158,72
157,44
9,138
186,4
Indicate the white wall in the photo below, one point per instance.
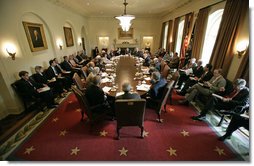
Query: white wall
53,18
102,27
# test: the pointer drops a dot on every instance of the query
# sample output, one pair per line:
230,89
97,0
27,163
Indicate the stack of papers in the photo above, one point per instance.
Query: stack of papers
109,70
106,89
143,87
104,80
119,93
104,74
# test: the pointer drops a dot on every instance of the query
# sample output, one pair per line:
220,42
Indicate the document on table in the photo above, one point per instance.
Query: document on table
143,87
147,78
106,89
119,93
104,80
104,74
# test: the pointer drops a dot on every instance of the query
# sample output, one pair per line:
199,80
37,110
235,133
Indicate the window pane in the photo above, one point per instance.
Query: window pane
213,25
179,36
165,35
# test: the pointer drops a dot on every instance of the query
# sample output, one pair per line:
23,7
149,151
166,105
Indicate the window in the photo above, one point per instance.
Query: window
165,35
213,25
179,37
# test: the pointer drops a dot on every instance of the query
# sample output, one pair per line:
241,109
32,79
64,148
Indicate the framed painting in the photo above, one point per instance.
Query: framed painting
68,36
125,34
35,36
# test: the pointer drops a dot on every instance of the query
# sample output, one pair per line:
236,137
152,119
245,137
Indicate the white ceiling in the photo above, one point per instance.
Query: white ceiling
111,8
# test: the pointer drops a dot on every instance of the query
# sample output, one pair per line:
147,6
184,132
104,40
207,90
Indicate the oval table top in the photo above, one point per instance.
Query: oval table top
125,69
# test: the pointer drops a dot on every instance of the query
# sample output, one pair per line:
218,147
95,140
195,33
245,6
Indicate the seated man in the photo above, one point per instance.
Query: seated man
30,89
56,85
207,89
206,76
126,87
157,82
174,62
95,71
236,122
239,99
96,97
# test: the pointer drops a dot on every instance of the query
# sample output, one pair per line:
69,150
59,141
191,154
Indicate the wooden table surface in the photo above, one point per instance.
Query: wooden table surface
125,70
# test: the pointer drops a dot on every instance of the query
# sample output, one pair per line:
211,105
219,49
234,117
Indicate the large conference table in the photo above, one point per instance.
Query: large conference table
123,69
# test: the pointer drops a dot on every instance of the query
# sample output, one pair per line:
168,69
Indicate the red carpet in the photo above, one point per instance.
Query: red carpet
64,137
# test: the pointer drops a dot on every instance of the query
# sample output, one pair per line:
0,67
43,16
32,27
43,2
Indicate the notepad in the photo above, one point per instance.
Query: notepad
218,96
106,89
119,93
44,89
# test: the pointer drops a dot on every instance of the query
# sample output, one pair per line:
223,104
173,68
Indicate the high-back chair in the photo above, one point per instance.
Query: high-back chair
163,64
78,82
163,101
130,112
87,109
165,71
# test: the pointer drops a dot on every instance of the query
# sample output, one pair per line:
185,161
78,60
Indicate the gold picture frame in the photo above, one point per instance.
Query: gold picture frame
125,34
35,36
68,36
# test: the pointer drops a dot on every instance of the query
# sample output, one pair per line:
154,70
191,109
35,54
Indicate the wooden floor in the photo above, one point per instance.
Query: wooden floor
12,123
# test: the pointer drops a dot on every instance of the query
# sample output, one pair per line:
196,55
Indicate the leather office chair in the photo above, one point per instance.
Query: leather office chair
165,71
78,82
161,103
130,112
87,110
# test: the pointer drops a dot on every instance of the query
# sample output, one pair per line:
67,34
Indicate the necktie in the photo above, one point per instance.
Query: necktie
31,84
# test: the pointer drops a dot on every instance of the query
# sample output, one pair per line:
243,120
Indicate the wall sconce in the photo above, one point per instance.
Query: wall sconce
59,43
79,41
11,51
241,48
60,46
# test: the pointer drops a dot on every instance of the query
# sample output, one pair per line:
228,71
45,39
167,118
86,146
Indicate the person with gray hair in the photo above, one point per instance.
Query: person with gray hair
237,100
94,72
158,83
126,87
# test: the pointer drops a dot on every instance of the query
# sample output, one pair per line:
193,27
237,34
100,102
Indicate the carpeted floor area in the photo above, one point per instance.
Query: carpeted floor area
63,137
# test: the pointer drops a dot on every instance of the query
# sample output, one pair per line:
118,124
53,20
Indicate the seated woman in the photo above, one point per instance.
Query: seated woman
126,87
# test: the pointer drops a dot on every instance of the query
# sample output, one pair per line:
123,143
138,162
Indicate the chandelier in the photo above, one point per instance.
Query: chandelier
125,19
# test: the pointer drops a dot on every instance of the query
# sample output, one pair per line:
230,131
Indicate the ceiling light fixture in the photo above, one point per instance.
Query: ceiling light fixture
125,19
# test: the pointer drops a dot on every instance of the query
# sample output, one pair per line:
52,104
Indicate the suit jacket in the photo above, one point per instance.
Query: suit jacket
217,83
26,89
66,66
198,71
242,98
40,78
50,73
129,96
94,95
206,76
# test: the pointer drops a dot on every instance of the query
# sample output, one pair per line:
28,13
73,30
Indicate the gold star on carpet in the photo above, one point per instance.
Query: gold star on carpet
172,151
185,133
220,151
75,151
55,119
123,151
145,133
29,150
62,133
171,109
103,133
78,110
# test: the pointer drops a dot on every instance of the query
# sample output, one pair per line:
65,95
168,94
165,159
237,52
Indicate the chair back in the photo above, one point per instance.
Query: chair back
165,71
78,82
163,64
130,112
163,100
82,102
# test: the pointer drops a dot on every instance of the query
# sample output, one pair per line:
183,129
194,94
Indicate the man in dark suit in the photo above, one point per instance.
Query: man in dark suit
30,89
96,96
56,85
53,71
126,87
206,76
239,99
